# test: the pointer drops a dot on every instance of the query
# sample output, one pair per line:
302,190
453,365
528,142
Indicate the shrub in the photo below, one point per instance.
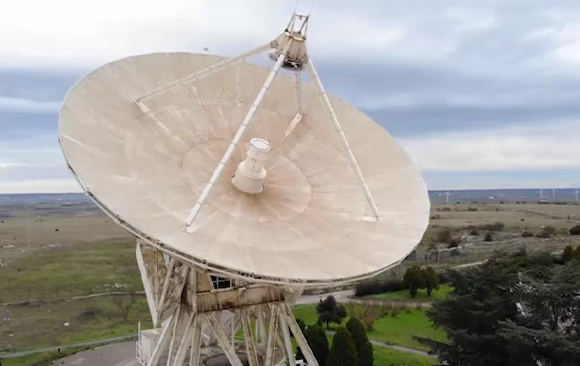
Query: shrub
471,209
527,234
496,226
550,230
378,287
575,230
444,236
395,311
543,235
454,252
454,243
568,254
488,237
474,232
444,278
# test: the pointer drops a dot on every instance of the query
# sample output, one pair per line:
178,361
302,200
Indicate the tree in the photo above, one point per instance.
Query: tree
568,254
549,330
430,279
329,311
484,325
413,279
364,348
125,302
316,338
343,350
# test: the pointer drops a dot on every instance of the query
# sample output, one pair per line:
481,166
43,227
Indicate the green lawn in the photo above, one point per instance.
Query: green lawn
389,357
405,295
397,330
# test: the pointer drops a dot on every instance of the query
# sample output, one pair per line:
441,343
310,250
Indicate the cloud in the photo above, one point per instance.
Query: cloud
502,149
8,165
26,105
40,186
469,88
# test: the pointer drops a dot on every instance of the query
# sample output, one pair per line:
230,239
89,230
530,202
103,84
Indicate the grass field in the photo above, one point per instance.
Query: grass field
405,295
75,270
39,326
397,330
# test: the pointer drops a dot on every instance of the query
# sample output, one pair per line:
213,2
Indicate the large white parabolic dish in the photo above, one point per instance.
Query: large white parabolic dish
307,226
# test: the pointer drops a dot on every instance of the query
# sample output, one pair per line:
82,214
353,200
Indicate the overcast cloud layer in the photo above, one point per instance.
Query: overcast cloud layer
482,94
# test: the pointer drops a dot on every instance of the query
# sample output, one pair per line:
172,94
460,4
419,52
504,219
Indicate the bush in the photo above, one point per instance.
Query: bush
474,232
454,252
454,243
378,287
550,230
444,236
527,234
568,254
395,311
444,277
488,237
543,235
575,230
496,226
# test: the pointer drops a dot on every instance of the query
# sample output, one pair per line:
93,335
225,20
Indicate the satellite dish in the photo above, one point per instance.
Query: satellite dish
237,171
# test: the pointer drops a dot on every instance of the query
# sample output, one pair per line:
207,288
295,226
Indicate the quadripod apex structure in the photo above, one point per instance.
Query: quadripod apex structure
243,185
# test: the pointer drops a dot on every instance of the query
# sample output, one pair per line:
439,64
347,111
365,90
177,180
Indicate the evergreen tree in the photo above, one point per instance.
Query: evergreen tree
364,348
485,326
329,311
343,351
471,317
430,279
316,338
413,279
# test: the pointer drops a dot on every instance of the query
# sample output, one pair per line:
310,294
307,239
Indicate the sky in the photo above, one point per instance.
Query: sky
481,94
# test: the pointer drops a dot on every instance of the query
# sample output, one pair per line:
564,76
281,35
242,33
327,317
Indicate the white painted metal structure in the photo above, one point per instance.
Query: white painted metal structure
243,186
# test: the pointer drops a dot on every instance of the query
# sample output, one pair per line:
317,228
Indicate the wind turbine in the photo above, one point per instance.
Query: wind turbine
576,193
541,193
553,193
447,194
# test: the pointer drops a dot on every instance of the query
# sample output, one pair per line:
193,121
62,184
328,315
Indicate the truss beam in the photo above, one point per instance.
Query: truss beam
234,143
198,75
334,119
